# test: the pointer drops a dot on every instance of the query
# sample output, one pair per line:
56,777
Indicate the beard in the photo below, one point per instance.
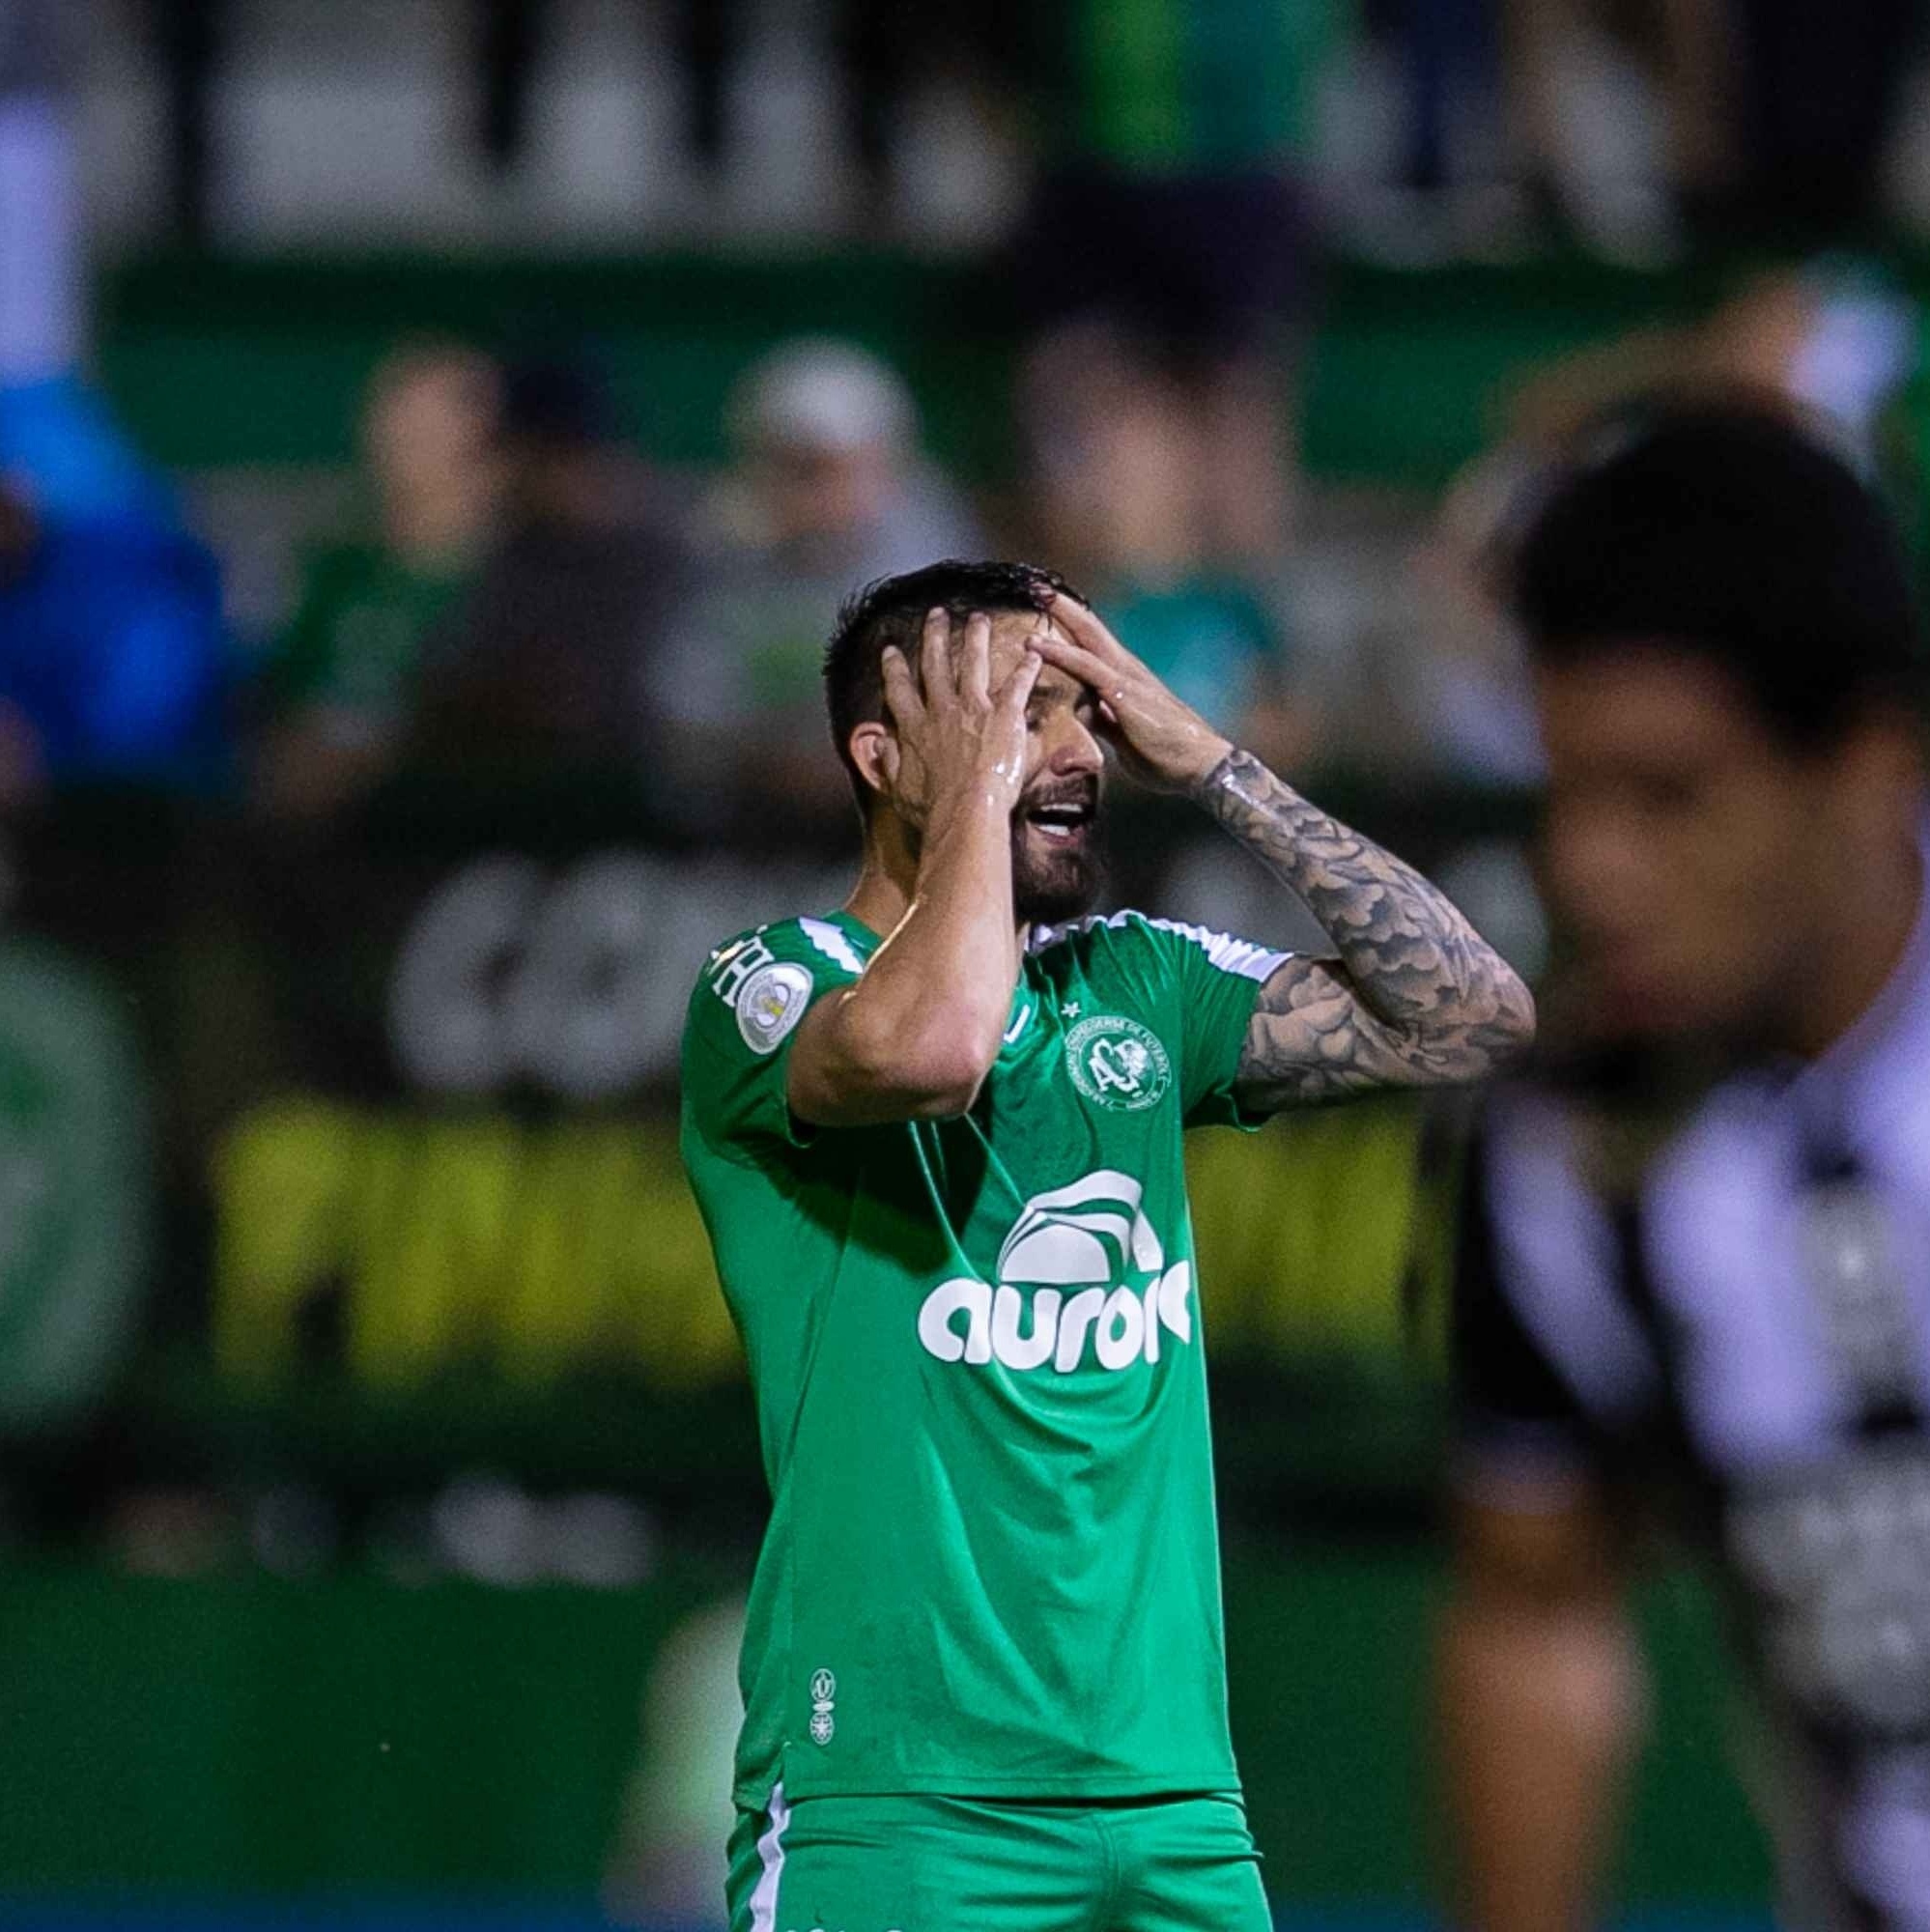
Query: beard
1065,886
1051,885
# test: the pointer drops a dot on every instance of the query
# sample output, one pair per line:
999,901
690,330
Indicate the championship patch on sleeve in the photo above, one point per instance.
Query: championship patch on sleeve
771,1002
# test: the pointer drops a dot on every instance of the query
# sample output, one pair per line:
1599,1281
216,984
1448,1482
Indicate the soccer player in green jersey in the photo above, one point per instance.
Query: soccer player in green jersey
935,1134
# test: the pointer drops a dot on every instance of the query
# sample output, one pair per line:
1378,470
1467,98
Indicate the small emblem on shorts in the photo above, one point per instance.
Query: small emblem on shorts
1116,1063
771,1003
823,1704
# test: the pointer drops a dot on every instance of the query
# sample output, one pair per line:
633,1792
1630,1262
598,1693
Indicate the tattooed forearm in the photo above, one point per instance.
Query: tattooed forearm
1416,996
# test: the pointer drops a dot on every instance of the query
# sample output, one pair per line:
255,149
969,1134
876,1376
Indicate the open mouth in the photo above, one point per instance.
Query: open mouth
1060,821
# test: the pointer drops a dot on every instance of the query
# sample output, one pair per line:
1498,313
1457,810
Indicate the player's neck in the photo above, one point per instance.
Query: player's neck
888,883
878,901
1872,942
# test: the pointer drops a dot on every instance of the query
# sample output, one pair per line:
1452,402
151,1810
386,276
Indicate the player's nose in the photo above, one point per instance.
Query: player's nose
1072,750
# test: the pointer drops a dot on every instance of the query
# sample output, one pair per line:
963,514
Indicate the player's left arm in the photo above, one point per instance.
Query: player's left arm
1415,997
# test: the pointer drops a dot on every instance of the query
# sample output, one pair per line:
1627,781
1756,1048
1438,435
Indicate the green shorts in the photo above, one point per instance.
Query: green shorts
953,1864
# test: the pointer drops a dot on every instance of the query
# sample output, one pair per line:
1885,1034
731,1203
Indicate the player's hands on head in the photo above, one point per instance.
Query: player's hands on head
952,733
1160,741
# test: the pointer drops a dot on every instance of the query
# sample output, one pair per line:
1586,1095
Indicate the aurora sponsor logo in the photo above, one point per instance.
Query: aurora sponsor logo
1082,1270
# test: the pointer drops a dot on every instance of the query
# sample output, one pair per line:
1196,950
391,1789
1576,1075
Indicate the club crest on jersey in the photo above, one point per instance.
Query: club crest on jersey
1116,1063
770,1002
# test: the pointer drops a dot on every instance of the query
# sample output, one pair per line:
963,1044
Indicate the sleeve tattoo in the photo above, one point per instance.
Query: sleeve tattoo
1415,998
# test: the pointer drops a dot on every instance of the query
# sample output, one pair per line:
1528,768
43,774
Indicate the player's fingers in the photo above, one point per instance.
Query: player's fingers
1083,625
1013,694
1091,669
901,699
934,663
975,661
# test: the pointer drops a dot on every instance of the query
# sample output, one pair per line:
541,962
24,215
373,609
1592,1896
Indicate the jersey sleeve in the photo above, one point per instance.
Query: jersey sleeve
1211,982
743,1020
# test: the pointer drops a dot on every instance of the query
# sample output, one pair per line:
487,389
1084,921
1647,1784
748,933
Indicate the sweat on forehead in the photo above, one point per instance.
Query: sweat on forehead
892,611
904,630
1011,631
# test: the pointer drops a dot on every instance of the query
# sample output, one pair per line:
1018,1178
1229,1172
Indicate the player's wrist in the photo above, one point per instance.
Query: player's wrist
988,787
971,803
1229,775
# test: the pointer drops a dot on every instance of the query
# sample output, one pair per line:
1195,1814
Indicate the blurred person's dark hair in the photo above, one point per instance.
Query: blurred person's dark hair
1729,530
555,658
563,441
892,613
558,400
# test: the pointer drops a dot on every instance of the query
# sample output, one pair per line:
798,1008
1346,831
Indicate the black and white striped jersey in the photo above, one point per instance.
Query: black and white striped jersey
1744,1333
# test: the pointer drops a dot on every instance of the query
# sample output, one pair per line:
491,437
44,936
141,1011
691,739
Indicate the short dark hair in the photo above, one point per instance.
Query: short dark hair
892,610
1729,530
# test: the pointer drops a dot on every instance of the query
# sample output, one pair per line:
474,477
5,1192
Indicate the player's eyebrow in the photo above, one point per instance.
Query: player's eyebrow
1083,699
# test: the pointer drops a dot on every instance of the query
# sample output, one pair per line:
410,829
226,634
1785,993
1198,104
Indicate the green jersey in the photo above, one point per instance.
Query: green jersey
993,1567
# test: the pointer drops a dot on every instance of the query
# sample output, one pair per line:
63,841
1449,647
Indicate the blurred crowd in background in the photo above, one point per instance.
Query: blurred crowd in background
1160,189
509,582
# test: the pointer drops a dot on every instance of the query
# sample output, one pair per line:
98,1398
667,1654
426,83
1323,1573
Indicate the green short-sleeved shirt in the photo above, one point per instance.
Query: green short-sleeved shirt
1176,86
1209,640
357,637
992,1564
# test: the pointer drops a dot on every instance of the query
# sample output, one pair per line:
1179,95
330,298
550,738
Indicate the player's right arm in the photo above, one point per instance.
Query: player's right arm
1538,1679
1540,1698
916,1036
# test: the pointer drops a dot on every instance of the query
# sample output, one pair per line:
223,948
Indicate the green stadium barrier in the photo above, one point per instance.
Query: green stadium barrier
346,1736
216,362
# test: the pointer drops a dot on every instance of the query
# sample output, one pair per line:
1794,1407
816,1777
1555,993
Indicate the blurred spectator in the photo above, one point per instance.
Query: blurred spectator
553,656
1460,708
1116,459
40,255
1439,181
1834,338
56,438
189,38
1452,74
110,617
1167,217
110,650
1818,90
827,490
873,43
1569,121
1694,1293
344,687
1775,113
1833,335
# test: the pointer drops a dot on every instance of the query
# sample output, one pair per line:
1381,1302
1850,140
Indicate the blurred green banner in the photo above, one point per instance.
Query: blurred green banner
402,1093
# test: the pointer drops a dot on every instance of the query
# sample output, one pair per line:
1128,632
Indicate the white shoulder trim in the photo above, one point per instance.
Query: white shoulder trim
832,943
1241,957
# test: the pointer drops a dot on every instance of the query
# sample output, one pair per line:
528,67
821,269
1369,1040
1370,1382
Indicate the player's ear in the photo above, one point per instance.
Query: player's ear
874,751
